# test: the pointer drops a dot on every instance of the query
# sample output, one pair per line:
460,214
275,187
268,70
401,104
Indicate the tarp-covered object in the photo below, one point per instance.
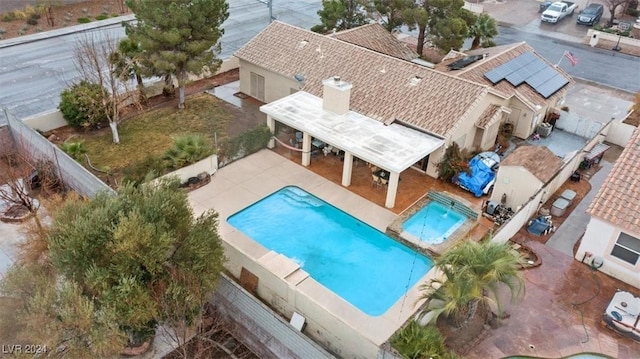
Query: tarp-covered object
480,174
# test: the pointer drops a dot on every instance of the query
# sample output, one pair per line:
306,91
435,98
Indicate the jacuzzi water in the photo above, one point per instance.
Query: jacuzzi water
434,223
354,260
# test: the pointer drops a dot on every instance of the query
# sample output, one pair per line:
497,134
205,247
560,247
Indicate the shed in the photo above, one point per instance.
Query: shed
523,172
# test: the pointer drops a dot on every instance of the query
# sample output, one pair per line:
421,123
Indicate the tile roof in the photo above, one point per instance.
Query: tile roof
489,116
618,200
496,56
538,160
384,88
376,38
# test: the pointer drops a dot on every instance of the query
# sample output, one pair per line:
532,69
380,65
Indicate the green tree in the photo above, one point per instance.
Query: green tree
340,15
391,12
443,22
483,30
179,37
188,149
130,64
472,273
81,104
137,253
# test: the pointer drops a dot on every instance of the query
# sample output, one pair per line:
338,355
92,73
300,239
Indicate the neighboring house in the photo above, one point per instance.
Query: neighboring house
376,38
386,88
611,242
523,173
530,97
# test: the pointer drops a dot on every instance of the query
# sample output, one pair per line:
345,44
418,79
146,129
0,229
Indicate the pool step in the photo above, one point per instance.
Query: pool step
458,206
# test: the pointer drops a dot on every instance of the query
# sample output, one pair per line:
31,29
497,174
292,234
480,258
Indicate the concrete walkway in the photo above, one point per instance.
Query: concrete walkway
575,225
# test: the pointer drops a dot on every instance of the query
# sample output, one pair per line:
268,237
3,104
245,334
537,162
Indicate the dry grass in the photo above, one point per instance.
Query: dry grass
151,133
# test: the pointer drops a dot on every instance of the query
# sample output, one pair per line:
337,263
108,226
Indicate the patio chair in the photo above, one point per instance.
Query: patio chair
376,181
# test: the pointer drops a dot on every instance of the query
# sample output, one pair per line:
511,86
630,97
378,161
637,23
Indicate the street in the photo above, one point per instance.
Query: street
32,74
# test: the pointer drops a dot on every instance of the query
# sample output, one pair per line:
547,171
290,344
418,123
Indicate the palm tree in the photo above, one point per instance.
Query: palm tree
484,29
471,275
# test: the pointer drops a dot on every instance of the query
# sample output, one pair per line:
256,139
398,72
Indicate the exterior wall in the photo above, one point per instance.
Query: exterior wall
489,137
517,183
289,292
599,240
208,165
521,117
275,85
594,37
619,133
465,133
46,121
6,141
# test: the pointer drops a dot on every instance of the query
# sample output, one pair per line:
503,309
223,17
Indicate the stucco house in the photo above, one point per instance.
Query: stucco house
387,89
611,242
523,173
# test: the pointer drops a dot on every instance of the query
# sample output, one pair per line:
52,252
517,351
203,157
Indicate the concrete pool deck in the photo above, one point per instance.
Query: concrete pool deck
250,179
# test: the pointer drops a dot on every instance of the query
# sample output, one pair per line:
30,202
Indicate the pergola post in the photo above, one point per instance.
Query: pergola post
306,149
392,189
347,167
271,123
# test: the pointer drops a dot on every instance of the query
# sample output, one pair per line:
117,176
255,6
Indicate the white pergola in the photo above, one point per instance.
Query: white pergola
390,147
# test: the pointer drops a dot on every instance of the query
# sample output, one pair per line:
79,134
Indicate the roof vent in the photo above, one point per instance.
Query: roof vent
415,80
336,79
302,44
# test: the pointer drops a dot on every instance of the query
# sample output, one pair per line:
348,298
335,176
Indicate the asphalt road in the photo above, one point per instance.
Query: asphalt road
602,66
33,74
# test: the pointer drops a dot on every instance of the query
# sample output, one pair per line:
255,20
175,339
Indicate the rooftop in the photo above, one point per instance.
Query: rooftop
375,37
538,160
384,88
618,200
393,147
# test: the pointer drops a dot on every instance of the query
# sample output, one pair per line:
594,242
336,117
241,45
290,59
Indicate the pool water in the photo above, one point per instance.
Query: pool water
434,223
354,260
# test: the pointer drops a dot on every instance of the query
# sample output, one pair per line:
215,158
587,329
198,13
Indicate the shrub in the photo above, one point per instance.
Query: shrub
416,342
453,162
9,16
186,150
147,169
633,12
101,17
74,149
32,21
81,105
83,20
245,144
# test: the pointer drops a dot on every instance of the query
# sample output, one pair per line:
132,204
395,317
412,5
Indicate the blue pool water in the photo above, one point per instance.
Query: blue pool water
354,260
434,223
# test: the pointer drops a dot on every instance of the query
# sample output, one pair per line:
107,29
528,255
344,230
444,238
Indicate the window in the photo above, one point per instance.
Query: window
627,248
257,86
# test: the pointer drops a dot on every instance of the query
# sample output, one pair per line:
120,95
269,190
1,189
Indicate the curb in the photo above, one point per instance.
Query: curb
584,81
65,31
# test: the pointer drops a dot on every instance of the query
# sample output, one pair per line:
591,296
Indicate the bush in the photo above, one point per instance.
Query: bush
32,21
81,105
83,20
416,342
75,150
244,145
186,150
101,17
453,162
633,12
147,169
9,16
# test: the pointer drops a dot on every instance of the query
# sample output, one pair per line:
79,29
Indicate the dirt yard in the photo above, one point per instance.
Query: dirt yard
14,14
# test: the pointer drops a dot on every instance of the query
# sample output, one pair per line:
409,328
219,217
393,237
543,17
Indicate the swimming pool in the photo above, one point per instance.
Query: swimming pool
434,223
354,260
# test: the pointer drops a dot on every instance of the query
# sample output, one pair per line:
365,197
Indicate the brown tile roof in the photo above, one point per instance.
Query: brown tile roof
376,38
497,56
618,200
538,160
384,88
489,116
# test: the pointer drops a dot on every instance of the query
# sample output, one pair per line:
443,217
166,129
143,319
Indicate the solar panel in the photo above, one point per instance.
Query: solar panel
529,68
550,87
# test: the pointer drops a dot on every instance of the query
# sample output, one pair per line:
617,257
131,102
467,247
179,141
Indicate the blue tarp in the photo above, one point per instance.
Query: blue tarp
480,176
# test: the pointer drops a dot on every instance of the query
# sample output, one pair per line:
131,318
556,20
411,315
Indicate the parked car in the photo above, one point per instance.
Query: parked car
481,176
544,5
590,15
558,11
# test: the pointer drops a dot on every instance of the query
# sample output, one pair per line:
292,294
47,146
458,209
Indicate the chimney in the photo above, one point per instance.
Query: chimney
336,95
